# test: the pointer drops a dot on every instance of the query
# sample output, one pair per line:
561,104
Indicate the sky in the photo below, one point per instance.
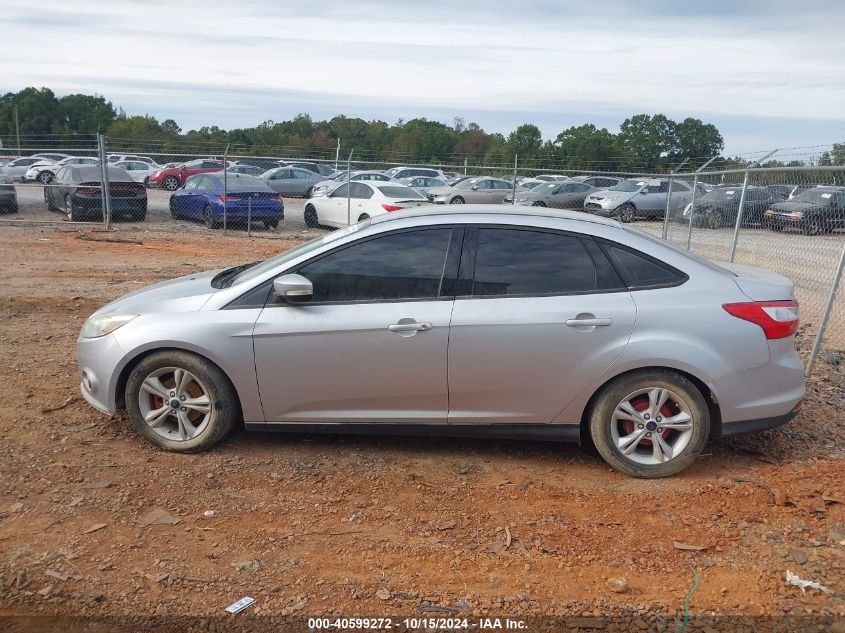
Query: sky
768,74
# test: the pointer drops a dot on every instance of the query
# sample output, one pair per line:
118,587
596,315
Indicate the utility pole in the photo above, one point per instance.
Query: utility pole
18,130
349,188
515,160
337,154
225,187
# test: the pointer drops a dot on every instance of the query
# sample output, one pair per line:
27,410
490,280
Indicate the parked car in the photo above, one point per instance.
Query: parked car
400,173
814,211
8,196
76,191
54,156
139,170
16,169
638,197
786,192
720,207
484,190
599,182
325,186
44,170
117,158
247,197
318,168
559,195
291,181
5,160
424,184
561,332
366,199
246,169
551,177
174,177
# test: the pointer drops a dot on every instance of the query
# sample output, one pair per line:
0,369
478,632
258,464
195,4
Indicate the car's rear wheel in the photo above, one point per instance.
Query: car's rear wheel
73,212
363,217
174,209
45,177
310,192
171,183
814,226
180,402
146,181
649,424
714,221
310,215
208,216
456,200
539,203
271,223
48,200
627,213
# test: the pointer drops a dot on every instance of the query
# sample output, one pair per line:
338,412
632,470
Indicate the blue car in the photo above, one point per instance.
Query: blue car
201,198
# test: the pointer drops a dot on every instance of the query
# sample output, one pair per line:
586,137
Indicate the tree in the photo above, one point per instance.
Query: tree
525,141
587,147
696,140
171,127
645,139
84,114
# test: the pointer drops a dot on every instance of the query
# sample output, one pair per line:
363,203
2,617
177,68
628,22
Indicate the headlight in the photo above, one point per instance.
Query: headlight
102,324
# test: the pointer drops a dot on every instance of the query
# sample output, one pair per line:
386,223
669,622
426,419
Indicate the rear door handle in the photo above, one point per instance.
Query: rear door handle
594,322
410,327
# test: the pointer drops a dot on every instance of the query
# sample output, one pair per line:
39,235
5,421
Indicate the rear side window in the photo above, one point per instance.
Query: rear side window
640,271
393,267
511,262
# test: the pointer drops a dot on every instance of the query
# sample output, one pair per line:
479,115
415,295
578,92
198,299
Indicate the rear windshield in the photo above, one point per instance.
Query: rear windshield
397,191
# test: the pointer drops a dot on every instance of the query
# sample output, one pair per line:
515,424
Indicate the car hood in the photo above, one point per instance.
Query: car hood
607,194
183,294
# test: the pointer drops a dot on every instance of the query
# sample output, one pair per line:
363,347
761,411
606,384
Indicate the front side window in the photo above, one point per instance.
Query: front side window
360,191
518,262
399,266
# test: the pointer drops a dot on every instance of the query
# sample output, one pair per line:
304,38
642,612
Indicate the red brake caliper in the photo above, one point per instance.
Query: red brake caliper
640,403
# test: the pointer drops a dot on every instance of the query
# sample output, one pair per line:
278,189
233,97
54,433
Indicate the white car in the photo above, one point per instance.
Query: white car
365,200
116,158
398,173
45,170
324,187
551,177
137,169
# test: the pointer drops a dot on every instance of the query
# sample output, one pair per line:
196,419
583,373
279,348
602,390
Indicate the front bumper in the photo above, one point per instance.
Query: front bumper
605,208
99,361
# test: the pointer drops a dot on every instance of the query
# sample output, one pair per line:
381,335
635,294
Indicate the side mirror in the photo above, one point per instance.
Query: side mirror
474,188
293,288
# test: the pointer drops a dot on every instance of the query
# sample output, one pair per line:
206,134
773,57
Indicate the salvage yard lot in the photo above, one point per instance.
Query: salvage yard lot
369,526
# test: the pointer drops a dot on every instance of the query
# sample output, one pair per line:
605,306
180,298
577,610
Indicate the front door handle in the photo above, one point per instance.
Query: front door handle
593,322
410,327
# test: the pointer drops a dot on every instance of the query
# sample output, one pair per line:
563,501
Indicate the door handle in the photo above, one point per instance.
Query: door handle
594,322
410,327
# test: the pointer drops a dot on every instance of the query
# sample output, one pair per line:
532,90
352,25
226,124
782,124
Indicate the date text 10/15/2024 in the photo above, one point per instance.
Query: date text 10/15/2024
416,623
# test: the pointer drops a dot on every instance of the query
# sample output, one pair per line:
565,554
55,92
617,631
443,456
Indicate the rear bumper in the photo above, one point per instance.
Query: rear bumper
753,426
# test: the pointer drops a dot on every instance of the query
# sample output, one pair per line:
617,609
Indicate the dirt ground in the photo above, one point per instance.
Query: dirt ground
354,526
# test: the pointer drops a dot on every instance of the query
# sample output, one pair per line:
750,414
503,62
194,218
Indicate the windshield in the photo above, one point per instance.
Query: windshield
722,193
813,196
256,270
399,191
629,185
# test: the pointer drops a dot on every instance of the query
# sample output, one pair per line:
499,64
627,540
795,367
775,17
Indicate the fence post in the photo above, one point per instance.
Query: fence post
739,215
105,190
834,287
668,203
249,215
349,188
692,202
337,154
465,166
225,186
513,193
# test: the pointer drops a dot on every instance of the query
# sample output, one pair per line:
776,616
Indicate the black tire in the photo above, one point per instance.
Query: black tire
713,221
146,181
309,193
48,200
138,216
174,211
539,203
363,216
814,226
208,216
45,177
72,212
271,223
776,227
225,412
627,212
310,215
457,200
602,422
171,183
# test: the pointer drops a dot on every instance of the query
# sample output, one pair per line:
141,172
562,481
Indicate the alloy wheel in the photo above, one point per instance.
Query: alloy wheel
175,403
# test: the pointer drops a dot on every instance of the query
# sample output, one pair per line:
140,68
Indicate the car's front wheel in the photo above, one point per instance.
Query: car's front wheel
180,401
627,213
171,183
456,200
311,219
208,216
649,424
45,177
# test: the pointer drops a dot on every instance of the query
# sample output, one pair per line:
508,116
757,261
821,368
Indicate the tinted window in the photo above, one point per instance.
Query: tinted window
192,183
399,266
516,262
360,191
340,192
401,191
638,270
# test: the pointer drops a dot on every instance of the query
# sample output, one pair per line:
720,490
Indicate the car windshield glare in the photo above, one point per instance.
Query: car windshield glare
400,191
813,196
629,185
722,193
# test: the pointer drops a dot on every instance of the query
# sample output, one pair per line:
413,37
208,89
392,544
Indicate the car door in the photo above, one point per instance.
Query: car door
481,192
499,191
539,314
332,208
190,202
837,215
302,181
371,346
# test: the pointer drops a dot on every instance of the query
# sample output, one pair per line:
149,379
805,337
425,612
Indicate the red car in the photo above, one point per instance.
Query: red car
172,178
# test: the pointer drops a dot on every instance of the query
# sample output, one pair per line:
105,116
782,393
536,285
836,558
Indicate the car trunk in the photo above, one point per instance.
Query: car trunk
758,284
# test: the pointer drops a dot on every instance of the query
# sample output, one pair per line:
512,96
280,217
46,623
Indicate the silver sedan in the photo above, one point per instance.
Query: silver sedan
515,322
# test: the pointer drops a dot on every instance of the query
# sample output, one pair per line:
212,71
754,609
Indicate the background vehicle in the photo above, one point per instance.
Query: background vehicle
562,329
638,197
77,191
44,171
400,173
786,192
324,186
551,177
174,177
482,190
116,158
247,197
424,184
16,169
291,181
318,168
246,169
139,170
559,195
720,207
54,156
814,211
599,182
5,160
367,199
8,196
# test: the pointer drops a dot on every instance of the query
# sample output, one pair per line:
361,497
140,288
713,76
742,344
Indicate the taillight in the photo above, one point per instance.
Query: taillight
280,198
88,191
391,207
778,319
224,198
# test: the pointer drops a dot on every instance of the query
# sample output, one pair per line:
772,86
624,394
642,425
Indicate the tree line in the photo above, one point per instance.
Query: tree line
644,142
